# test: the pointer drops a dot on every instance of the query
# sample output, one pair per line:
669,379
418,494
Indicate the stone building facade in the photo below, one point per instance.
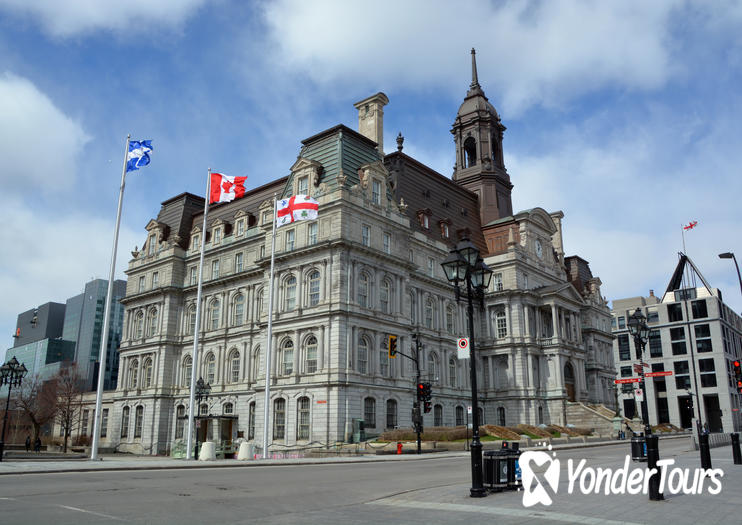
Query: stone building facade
369,266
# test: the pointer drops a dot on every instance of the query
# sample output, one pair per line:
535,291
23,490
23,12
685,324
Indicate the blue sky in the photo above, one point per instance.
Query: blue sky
624,115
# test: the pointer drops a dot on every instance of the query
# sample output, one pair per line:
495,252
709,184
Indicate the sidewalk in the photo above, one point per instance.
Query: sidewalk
76,463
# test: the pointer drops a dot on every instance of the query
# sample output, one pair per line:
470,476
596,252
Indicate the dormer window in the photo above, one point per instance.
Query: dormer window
216,236
151,244
424,217
376,192
266,217
194,242
240,227
445,232
302,186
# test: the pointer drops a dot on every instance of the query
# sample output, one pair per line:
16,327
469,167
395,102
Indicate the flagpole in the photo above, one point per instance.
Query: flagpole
103,353
197,327
266,407
682,231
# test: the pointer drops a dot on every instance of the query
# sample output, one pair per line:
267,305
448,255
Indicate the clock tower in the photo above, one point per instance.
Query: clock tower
480,167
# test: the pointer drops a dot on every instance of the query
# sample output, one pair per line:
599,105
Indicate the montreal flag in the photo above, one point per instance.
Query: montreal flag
296,208
226,189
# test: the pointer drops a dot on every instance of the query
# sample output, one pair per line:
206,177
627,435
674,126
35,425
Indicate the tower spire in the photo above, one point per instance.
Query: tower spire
474,87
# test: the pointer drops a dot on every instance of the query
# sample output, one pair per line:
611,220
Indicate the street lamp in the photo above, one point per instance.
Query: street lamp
11,374
202,392
730,255
465,263
640,331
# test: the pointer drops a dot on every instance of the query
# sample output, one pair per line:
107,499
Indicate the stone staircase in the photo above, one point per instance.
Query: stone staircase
597,417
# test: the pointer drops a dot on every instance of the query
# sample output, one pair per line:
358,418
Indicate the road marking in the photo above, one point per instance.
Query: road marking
91,512
499,511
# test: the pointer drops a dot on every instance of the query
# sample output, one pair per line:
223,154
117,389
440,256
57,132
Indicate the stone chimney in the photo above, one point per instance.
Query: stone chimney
371,118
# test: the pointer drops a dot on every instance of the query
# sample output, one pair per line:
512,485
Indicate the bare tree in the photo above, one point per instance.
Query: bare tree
69,399
37,399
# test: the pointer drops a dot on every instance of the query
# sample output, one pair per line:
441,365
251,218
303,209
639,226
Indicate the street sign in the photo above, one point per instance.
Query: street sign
637,368
468,410
659,374
639,394
627,380
462,346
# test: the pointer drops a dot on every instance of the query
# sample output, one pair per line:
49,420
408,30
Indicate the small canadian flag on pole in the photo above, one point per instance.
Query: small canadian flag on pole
224,188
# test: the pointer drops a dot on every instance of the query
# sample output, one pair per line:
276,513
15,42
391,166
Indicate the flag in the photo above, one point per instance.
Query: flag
138,155
226,189
296,208
691,225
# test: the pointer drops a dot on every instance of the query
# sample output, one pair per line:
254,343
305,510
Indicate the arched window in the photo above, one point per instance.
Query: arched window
227,409
238,312
362,355
429,313
214,311
413,307
313,288
438,415
302,418
369,412
385,294
191,320
251,421
290,297
459,416
433,368
450,316
180,419
187,371
147,373
287,357
501,416
470,152
133,374
125,422
152,322
203,410
138,421
279,418
452,368
139,325
256,364
259,306
234,366
210,368
364,284
391,413
310,352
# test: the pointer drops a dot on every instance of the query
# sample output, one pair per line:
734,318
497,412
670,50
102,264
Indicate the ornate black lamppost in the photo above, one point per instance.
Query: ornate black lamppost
464,263
730,255
11,374
202,392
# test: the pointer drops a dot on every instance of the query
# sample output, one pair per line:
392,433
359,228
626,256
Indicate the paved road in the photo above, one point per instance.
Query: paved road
415,492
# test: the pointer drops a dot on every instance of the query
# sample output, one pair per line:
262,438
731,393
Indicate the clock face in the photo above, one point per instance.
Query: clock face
539,249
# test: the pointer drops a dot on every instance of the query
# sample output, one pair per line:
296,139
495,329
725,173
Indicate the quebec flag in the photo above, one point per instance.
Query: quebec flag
138,155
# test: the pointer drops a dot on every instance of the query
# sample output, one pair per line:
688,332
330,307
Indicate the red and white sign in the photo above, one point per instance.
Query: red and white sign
659,374
462,348
627,380
468,410
639,394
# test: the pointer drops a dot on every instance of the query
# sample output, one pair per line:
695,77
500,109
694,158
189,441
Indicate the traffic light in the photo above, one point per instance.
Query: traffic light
421,392
428,406
738,375
392,346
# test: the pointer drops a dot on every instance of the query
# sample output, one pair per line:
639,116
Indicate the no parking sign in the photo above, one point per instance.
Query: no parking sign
463,348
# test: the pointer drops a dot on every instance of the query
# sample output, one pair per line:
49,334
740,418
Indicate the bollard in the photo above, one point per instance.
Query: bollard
653,456
703,446
399,448
735,449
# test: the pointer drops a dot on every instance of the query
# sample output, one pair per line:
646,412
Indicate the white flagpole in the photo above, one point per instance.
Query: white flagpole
194,357
266,407
103,353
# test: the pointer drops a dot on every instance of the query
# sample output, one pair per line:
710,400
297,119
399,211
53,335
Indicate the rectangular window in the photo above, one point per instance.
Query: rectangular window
703,338
289,240
365,235
215,269
138,421
684,295
621,322
626,371
431,266
84,423
502,324
653,316
194,276
142,283
155,280
369,412
312,233
303,408
387,243
412,256
699,310
677,337
125,422
240,227
251,422
675,312
444,230
497,279
655,343
376,192
217,236
151,244
624,350
238,258
267,216
302,188
104,423
194,242
279,419
262,251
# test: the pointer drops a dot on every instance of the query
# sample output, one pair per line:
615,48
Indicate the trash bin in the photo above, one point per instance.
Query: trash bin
488,466
514,473
499,469
638,448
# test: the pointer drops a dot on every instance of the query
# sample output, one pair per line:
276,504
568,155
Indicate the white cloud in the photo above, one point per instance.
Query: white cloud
528,53
39,144
70,17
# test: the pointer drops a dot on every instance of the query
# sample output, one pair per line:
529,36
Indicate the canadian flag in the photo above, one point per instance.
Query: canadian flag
226,189
296,208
